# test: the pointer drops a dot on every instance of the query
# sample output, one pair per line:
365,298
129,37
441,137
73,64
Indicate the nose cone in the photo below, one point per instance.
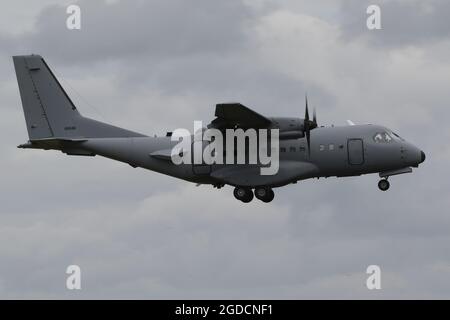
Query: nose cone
422,156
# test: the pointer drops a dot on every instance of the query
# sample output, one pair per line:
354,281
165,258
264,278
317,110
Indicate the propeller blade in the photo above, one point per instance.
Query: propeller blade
306,125
306,109
314,117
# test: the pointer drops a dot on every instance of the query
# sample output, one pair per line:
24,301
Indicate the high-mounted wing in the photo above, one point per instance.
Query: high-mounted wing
236,115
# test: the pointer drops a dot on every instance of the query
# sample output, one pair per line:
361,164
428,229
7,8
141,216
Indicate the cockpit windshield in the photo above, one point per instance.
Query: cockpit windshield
386,137
382,137
396,136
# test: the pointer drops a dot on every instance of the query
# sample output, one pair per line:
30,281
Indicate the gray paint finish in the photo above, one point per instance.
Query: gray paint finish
53,122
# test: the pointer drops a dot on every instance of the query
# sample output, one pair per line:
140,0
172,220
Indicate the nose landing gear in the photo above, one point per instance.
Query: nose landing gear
383,184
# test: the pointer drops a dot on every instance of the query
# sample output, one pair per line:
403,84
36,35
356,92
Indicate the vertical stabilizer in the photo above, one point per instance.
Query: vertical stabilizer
49,112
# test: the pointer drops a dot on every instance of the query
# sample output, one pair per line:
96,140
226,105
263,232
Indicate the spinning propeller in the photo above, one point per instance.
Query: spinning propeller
308,125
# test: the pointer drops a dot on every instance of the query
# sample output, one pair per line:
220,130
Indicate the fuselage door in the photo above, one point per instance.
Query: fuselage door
355,149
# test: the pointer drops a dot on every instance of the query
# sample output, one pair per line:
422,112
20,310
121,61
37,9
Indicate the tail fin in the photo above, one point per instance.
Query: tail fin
49,112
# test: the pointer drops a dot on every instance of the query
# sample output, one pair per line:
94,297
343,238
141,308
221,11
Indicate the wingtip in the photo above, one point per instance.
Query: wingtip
26,145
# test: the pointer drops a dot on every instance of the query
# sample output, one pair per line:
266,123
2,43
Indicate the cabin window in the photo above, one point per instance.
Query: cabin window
321,147
302,149
282,149
331,147
292,149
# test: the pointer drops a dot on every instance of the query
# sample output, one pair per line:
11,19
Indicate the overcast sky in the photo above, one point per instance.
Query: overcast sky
152,66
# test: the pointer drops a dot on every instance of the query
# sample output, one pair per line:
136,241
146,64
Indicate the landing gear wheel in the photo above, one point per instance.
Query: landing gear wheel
270,196
264,194
261,192
243,194
383,184
248,197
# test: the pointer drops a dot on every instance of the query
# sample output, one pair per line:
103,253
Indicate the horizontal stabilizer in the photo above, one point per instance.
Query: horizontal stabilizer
165,154
50,143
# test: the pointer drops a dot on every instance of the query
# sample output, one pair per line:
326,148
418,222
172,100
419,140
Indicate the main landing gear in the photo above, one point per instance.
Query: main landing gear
243,194
264,194
383,184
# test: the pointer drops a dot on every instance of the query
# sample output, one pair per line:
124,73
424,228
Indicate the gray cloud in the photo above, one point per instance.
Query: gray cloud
404,23
175,49
156,29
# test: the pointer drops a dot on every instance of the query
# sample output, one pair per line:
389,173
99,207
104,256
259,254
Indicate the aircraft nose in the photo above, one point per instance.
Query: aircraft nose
422,156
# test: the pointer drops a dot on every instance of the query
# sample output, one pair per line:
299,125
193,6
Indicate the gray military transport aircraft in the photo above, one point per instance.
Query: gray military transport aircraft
306,150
